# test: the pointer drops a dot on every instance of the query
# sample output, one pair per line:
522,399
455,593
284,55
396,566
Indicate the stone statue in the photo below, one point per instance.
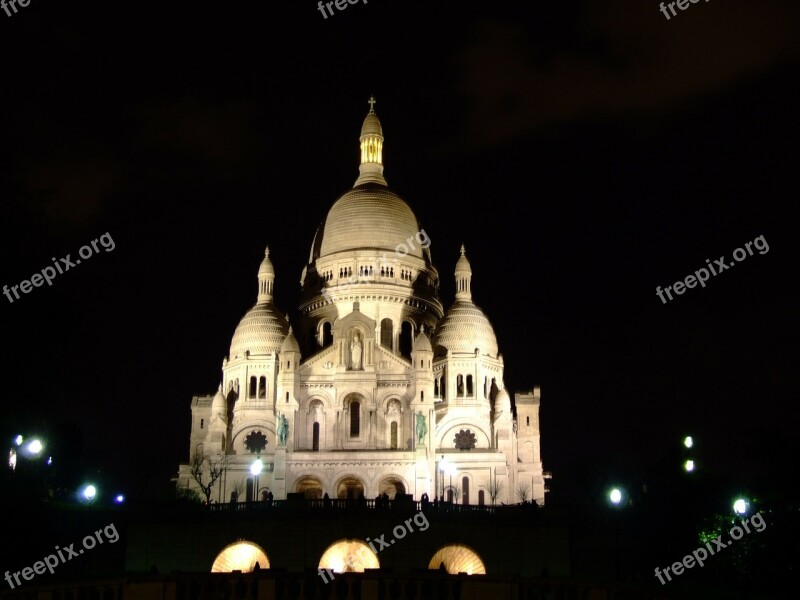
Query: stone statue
283,429
355,353
422,428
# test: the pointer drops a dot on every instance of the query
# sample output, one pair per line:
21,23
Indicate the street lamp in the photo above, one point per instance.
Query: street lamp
740,506
688,466
255,470
442,467
89,493
688,441
615,496
34,447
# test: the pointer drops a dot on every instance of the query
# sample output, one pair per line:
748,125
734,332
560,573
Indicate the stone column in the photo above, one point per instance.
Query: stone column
279,474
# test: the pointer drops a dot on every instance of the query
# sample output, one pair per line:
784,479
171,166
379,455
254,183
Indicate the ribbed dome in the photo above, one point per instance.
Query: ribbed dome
369,216
261,331
372,125
464,328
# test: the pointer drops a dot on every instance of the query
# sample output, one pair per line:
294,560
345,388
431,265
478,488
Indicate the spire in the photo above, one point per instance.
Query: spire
266,279
371,140
463,277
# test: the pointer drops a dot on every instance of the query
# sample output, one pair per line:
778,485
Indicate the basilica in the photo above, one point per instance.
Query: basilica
374,388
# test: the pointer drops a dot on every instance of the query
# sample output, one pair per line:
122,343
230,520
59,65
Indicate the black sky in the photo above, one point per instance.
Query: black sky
585,154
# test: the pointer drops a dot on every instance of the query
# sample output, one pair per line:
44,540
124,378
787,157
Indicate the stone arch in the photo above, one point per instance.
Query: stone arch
240,556
392,485
394,430
458,558
310,486
237,439
350,487
452,426
315,413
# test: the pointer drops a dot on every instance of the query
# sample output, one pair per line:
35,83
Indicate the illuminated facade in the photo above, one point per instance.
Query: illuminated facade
374,387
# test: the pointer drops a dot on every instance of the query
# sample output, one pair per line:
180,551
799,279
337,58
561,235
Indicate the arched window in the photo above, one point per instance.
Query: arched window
315,441
469,385
262,387
527,421
406,339
481,497
327,335
387,333
465,489
459,385
436,388
355,419
202,421
394,435
253,383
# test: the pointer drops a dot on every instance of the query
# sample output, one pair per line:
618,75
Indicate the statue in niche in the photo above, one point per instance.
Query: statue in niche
422,428
356,351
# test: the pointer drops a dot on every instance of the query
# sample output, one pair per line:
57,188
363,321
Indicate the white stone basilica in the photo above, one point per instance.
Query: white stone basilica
375,388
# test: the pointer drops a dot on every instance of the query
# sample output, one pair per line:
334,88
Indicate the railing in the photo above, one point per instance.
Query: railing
355,504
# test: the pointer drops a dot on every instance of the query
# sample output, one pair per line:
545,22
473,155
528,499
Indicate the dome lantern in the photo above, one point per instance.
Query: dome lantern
266,279
463,278
371,141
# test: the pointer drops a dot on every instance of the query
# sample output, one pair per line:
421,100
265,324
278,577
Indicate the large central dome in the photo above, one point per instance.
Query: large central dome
370,216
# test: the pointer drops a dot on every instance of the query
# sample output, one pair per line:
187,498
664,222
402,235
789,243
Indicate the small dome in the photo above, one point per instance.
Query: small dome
502,400
464,328
422,343
219,404
290,343
266,267
261,331
372,125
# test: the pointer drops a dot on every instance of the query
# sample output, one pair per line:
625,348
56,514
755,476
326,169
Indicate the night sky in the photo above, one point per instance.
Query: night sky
584,152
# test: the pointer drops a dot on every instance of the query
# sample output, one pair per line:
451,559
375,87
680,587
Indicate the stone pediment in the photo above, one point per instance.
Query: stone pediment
394,363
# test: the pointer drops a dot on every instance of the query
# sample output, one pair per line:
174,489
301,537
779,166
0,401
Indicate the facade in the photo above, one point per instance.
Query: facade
375,388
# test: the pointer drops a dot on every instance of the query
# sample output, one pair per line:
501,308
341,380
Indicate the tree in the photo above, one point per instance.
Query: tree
495,488
204,465
523,492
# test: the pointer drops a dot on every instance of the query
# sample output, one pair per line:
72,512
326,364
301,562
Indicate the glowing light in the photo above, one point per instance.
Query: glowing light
18,440
240,556
689,465
349,556
740,506
12,459
615,496
458,559
688,441
89,492
256,467
49,460
35,447
119,499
